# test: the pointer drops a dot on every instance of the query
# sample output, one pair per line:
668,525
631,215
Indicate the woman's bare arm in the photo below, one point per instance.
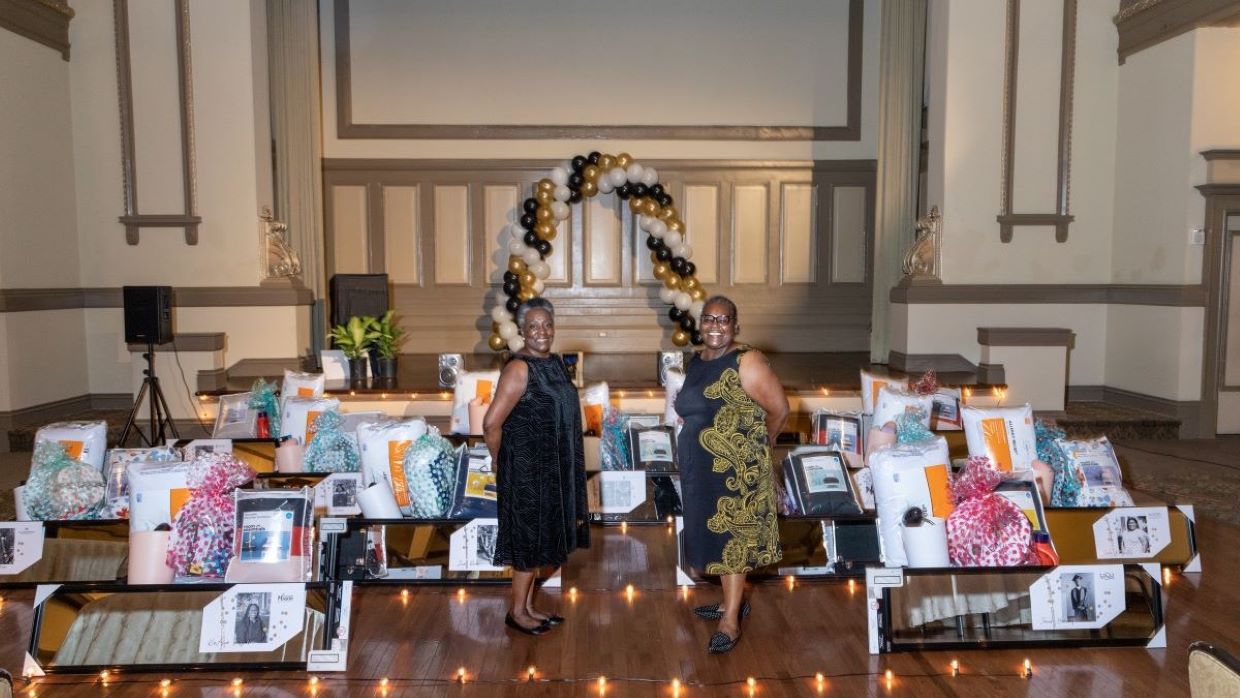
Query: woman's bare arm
511,387
763,387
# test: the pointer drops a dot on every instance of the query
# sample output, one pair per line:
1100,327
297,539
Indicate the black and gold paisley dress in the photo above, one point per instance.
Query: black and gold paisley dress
725,469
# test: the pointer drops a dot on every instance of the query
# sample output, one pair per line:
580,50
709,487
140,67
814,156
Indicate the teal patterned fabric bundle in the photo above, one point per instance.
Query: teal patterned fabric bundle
911,428
1066,489
61,488
331,450
430,470
263,399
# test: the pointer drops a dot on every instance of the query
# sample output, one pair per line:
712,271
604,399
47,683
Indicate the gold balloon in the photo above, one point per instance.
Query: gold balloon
590,173
588,188
691,283
496,342
660,270
542,230
528,278
624,160
544,197
650,207
672,281
606,162
698,294
635,204
550,234
545,184
543,214
667,213
676,224
526,294
516,265
680,338
654,258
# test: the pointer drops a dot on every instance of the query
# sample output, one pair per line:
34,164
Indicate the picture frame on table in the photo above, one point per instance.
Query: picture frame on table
653,448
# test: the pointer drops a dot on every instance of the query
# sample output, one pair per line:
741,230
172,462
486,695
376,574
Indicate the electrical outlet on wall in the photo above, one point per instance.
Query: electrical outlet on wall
1197,236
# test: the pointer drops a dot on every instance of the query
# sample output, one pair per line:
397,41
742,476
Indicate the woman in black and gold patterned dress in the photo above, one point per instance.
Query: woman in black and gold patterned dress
732,405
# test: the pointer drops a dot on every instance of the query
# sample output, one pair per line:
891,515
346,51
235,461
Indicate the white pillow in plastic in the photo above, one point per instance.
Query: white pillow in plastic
235,419
298,415
157,491
1094,464
84,441
895,402
1002,434
116,495
470,385
673,381
871,383
901,482
946,413
595,400
298,384
383,446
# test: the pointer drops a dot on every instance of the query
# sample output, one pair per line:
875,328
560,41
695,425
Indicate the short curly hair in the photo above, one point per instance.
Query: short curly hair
538,303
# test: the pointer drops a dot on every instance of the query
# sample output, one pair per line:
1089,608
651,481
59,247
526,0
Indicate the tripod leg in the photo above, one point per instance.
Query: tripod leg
133,414
165,419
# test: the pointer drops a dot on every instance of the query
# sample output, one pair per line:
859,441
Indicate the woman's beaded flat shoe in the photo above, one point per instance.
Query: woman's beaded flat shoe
553,620
721,643
536,630
712,612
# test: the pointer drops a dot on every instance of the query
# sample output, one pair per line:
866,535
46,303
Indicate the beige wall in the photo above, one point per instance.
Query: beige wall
43,353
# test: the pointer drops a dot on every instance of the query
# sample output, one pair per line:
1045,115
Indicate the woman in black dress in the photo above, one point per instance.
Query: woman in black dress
732,405
533,430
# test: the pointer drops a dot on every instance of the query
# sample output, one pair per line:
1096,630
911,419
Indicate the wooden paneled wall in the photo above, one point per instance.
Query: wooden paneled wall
790,242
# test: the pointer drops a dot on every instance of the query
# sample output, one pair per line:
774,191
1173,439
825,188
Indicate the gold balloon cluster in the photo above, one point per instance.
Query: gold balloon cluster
587,176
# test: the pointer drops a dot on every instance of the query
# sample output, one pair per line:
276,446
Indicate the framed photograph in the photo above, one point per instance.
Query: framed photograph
1077,596
945,412
1132,533
653,449
840,432
817,479
253,618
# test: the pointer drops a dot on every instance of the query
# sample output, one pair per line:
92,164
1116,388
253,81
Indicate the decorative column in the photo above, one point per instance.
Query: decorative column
901,69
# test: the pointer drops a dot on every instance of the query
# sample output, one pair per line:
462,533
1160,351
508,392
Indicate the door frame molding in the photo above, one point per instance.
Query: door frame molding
1220,198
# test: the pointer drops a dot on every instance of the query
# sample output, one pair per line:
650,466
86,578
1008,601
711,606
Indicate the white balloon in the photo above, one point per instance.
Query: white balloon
679,250
617,176
605,186
686,250
500,314
516,232
562,193
673,238
696,308
667,295
541,269
683,300
657,228
650,177
516,343
560,210
643,222
530,255
508,329
539,285
635,172
559,175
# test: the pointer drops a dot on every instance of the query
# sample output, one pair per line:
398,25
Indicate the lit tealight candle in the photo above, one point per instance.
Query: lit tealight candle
236,682
1028,668
888,675
1166,576
602,684
624,527
684,591
529,673
104,675
165,683
955,667
852,586
628,592
572,593
820,680
460,594
792,580
460,674
675,687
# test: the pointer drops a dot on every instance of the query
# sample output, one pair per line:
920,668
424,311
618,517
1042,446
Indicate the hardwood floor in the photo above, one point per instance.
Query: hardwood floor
641,644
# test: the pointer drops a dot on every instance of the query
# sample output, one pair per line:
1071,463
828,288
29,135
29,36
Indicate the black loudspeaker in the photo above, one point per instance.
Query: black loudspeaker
358,294
148,314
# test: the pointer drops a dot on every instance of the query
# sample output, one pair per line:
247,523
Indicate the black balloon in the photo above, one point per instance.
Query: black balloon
530,238
690,268
593,157
664,200
678,265
543,247
663,254
574,197
578,163
528,221
697,338
575,180
512,305
511,287
674,314
653,243
656,190
640,189
687,324
624,191
509,276
530,205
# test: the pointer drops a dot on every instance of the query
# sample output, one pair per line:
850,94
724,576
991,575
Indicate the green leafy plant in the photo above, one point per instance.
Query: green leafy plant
354,337
390,334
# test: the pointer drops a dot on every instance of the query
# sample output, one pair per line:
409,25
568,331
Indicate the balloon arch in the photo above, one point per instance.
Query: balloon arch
588,175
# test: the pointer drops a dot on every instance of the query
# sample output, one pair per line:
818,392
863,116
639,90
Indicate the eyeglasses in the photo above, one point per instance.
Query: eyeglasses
716,319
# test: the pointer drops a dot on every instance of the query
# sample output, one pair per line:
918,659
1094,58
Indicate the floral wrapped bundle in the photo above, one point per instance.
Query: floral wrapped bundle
1066,489
986,529
331,450
614,441
60,488
430,470
911,426
263,399
202,535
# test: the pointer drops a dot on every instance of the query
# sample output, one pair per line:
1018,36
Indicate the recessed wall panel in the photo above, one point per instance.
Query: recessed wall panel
848,234
700,213
400,234
499,209
749,234
797,246
451,234
349,221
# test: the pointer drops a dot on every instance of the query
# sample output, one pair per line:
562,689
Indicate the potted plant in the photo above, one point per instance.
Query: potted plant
390,336
354,338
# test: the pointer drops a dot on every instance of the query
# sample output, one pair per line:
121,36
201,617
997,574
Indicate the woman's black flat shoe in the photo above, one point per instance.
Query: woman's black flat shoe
721,643
712,611
536,630
553,620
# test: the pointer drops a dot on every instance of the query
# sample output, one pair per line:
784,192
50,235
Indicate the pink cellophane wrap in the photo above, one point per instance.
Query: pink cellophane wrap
202,535
986,529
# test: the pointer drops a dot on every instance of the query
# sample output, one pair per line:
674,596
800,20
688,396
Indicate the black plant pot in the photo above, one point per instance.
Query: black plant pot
357,369
385,367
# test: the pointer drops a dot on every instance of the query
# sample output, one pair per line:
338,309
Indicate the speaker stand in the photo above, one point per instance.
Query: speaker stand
160,417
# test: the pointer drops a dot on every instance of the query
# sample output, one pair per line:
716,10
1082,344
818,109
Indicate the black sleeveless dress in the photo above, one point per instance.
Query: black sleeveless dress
725,471
541,483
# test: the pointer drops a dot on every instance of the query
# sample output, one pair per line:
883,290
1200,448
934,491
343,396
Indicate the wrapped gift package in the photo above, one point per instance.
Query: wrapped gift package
470,385
430,475
613,441
872,383
673,381
595,400
817,483
987,529
116,496
236,419
908,476
383,445
1002,434
61,487
1093,464
298,384
299,414
271,539
332,450
82,441
894,402
475,485
157,491
202,533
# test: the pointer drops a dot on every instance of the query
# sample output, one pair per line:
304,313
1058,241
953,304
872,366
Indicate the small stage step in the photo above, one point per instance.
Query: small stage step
1118,423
